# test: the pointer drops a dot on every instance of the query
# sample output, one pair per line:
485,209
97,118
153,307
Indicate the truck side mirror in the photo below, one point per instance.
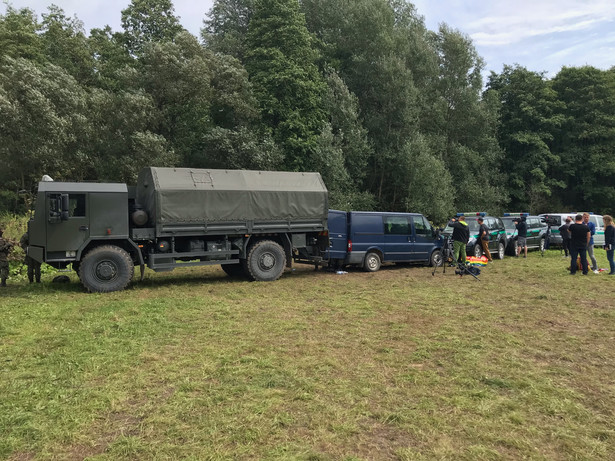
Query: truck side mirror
64,207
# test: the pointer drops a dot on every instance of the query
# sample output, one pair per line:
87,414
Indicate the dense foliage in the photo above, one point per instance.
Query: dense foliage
394,116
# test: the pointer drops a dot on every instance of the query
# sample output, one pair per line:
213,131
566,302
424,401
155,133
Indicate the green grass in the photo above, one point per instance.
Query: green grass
315,366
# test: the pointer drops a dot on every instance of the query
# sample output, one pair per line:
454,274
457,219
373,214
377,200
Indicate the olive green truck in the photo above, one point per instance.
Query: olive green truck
253,223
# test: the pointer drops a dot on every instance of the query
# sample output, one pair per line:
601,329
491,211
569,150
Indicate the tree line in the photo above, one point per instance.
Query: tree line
394,116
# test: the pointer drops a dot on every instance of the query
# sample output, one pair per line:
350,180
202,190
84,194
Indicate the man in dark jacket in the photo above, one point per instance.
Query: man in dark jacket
565,233
461,237
579,239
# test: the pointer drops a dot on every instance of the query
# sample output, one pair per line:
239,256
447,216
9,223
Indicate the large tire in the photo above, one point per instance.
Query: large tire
233,270
501,250
265,262
106,268
372,262
477,250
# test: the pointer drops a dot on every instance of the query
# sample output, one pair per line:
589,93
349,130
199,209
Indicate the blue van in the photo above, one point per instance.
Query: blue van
369,239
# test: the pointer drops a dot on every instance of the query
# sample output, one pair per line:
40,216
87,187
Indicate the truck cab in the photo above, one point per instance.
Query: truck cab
69,216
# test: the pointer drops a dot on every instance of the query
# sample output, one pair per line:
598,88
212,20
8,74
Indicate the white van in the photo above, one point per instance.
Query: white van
560,218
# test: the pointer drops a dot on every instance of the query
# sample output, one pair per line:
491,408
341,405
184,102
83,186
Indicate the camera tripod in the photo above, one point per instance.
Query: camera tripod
447,258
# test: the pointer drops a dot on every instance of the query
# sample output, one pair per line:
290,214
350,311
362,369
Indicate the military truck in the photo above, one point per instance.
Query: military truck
253,223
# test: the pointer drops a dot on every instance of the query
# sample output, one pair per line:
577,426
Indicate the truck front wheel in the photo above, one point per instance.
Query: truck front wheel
106,268
266,261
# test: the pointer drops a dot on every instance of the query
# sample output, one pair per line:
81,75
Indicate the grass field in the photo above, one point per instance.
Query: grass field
393,365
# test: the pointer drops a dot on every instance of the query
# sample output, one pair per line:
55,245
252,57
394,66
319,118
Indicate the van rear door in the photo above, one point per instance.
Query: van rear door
337,223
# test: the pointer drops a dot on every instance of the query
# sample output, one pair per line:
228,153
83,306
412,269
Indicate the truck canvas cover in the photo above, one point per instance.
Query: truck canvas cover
185,195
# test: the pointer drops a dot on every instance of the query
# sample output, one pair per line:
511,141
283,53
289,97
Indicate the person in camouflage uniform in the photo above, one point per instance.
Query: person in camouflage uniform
5,248
34,267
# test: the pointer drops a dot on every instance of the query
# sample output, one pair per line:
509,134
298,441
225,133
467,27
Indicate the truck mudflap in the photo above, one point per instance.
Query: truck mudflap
141,261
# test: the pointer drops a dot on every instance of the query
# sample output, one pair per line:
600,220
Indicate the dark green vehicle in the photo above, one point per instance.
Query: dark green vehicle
253,223
497,235
536,232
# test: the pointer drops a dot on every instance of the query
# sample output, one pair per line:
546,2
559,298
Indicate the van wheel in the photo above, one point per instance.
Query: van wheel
436,258
265,262
501,250
106,268
372,262
478,251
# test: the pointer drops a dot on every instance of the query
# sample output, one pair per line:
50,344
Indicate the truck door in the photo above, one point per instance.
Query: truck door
398,239
65,237
424,239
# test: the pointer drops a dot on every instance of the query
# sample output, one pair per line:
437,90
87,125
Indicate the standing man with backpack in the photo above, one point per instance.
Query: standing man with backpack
461,237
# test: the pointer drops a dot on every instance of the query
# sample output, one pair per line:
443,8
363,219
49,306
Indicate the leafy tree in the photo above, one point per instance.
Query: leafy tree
149,21
226,29
65,44
114,68
121,140
528,123
461,125
286,81
19,34
42,123
207,110
586,140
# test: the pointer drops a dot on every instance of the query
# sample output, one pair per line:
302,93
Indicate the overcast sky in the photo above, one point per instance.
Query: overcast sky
542,35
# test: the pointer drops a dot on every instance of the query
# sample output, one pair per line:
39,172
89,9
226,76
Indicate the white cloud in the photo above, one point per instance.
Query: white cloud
512,22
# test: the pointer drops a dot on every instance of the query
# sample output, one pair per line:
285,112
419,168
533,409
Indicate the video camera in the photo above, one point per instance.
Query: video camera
551,220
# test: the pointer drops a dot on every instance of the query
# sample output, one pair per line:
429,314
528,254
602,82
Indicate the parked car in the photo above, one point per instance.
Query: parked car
497,234
370,239
536,232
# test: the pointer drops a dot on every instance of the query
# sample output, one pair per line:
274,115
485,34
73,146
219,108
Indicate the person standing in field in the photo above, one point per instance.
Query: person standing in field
609,241
579,239
5,248
590,245
521,226
34,267
564,231
483,237
461,237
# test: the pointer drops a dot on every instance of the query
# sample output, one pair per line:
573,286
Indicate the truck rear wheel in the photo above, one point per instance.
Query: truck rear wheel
106,268
266,261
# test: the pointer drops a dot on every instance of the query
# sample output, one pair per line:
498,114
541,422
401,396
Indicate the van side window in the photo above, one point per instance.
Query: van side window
421,226
396,225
